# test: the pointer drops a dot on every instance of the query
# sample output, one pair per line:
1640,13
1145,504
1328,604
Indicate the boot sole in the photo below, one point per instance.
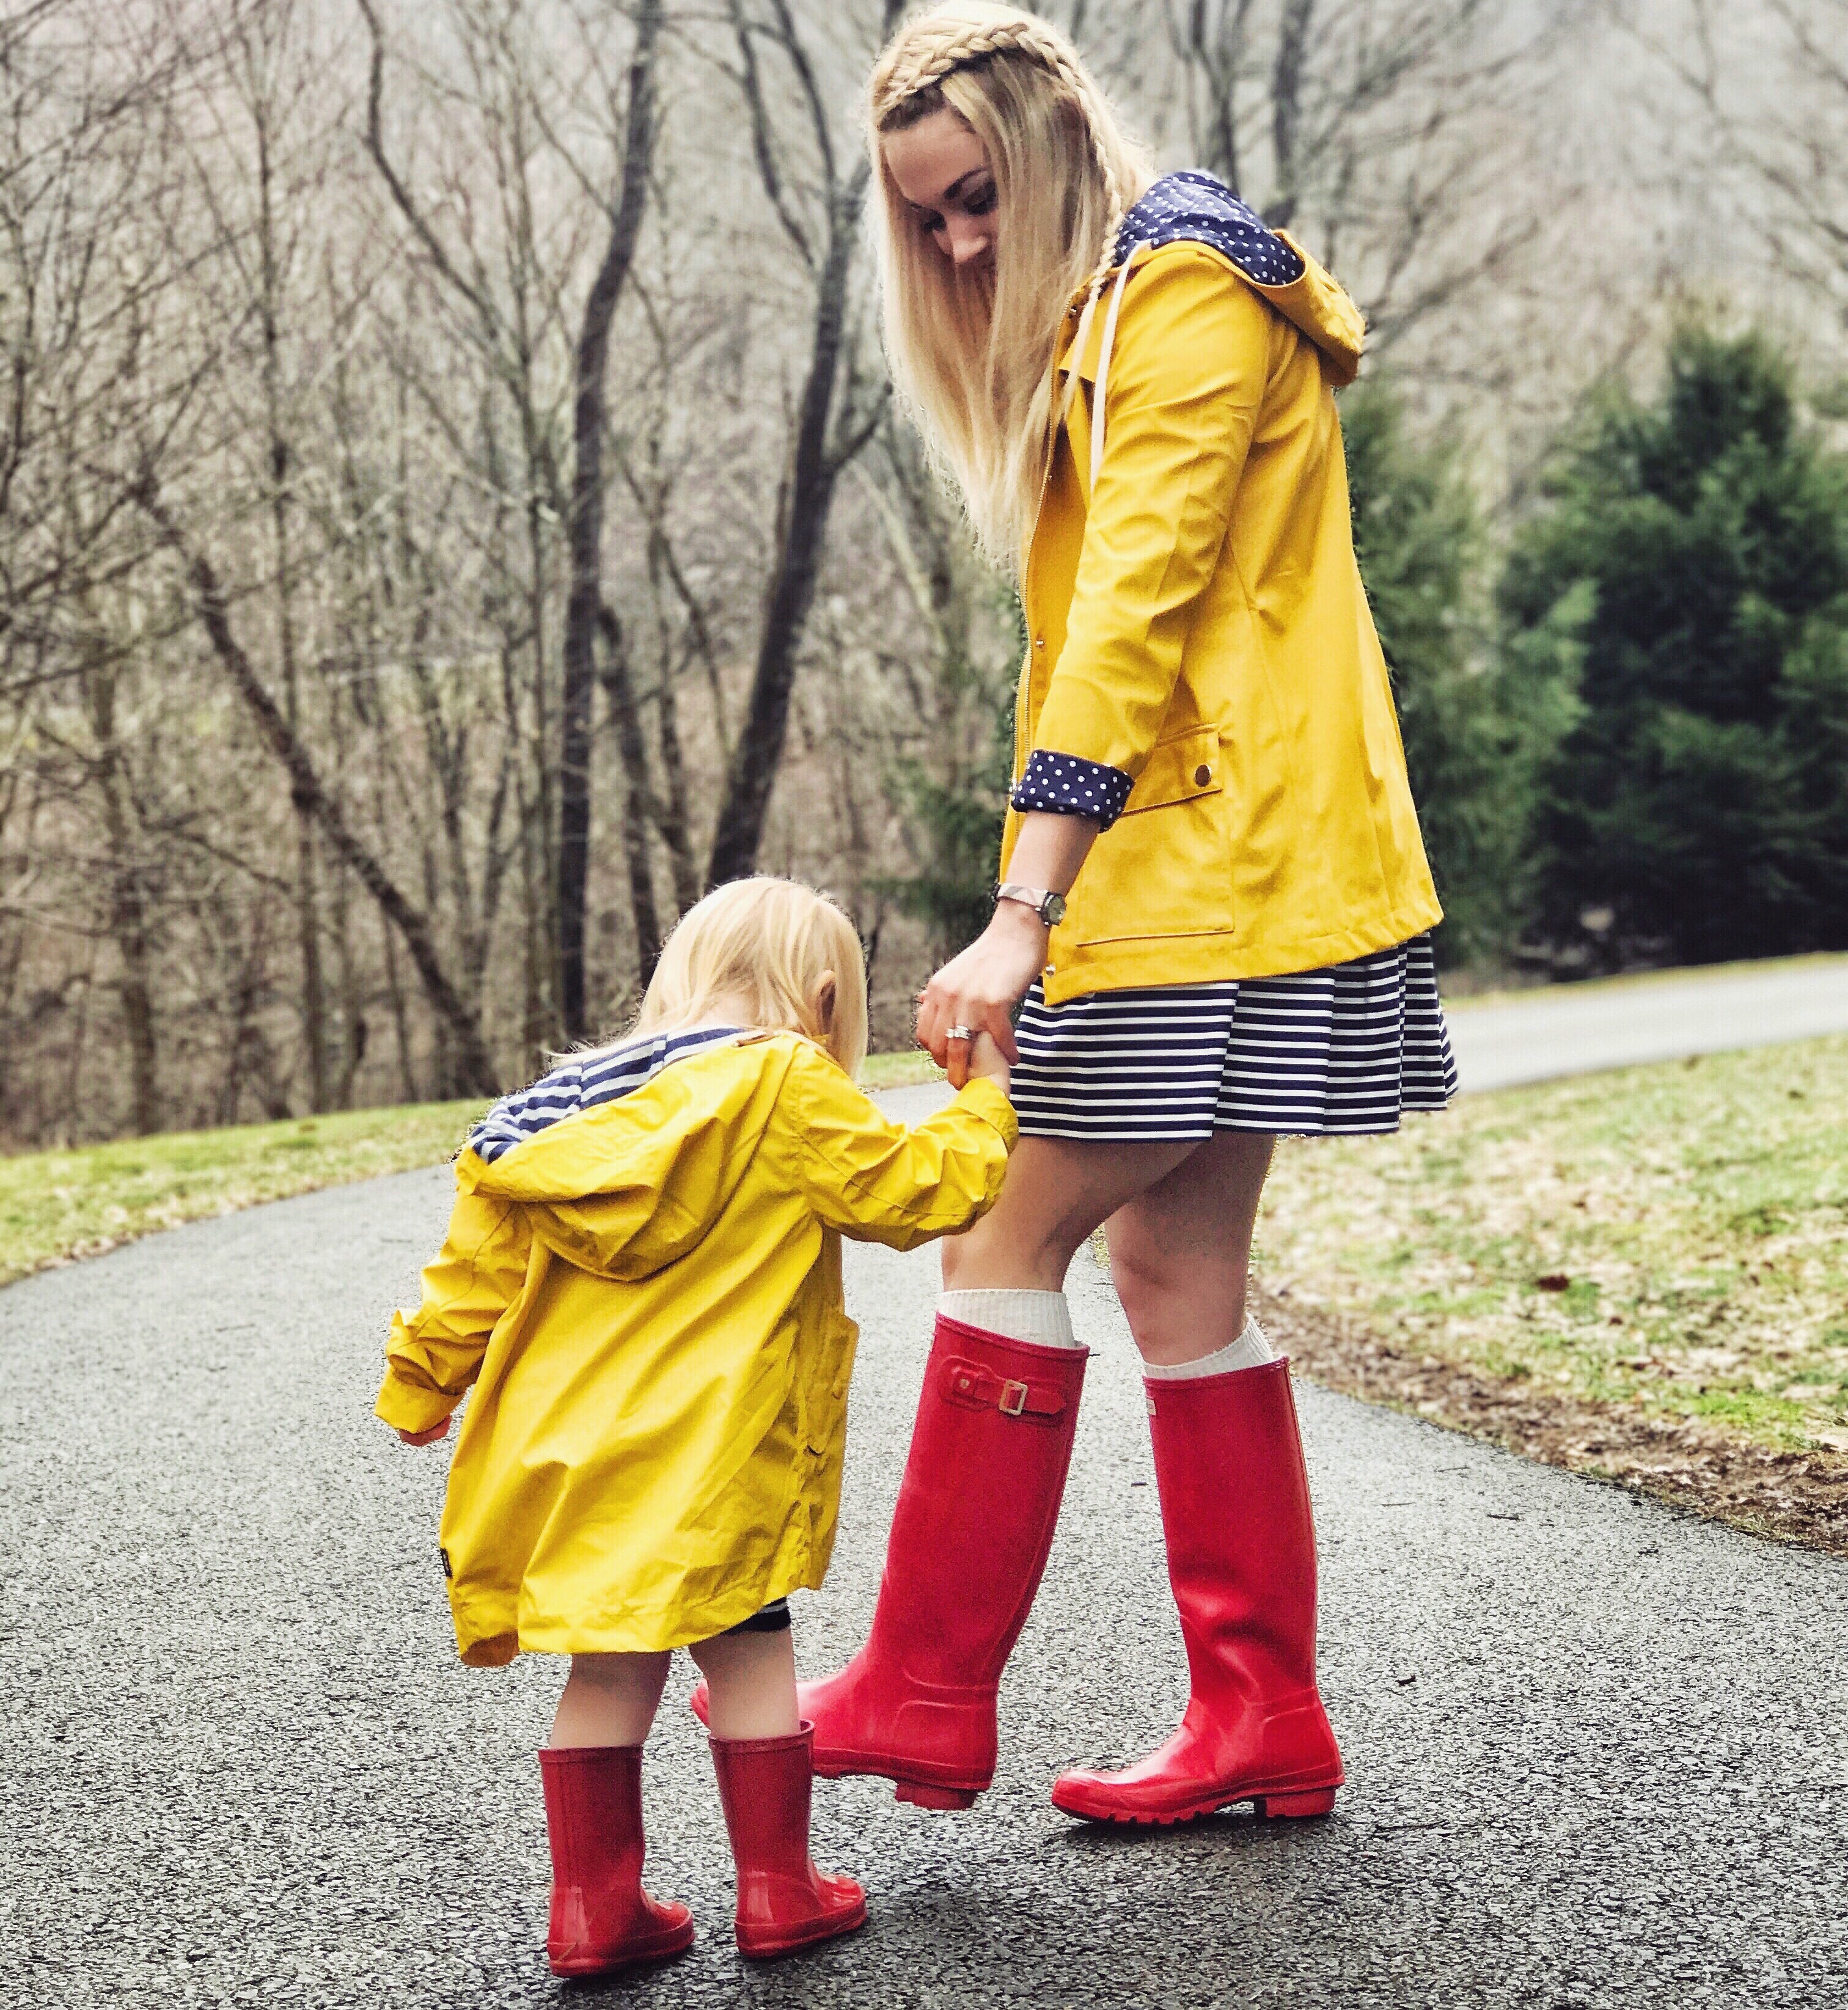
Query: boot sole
1297,1804
918,1793
650,1954
823,1931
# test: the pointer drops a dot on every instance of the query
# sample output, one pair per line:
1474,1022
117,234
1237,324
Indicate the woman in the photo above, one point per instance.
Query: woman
1214,900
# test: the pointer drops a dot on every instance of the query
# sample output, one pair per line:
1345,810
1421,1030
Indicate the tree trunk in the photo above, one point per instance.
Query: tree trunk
128,906
759,751
586,529
619,686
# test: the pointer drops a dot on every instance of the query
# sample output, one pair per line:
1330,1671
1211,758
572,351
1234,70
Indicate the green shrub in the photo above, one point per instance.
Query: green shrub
1695,551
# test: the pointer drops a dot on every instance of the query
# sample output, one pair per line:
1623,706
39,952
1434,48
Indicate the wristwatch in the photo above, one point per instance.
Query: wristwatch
1050,907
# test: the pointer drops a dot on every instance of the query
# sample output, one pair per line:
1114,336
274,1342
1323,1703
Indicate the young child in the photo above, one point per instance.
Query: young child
641,1284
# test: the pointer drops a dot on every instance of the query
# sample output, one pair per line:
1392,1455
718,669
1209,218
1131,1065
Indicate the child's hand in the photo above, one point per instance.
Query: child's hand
986,1060
427,1437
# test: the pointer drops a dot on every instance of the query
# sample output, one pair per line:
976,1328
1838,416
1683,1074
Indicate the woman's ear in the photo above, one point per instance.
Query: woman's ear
825,992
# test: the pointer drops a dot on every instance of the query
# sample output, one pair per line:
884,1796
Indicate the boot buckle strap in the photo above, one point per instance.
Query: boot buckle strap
978,1388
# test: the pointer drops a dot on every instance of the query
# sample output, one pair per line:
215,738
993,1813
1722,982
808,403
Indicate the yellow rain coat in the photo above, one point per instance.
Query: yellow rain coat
1195,621
644,1295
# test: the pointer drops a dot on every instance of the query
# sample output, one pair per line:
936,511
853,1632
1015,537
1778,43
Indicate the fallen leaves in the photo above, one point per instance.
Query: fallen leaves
1798,1496
1650,1238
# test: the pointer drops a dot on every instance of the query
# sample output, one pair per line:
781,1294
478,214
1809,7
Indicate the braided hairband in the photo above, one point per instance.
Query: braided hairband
934,47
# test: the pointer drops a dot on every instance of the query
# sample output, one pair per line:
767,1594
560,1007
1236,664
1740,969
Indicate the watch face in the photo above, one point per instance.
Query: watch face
1054,910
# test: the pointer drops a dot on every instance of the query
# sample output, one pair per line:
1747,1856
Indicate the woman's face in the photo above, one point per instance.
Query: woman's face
941,169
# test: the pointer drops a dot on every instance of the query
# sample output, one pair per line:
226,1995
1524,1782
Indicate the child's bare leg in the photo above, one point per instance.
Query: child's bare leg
751,1678
610,1700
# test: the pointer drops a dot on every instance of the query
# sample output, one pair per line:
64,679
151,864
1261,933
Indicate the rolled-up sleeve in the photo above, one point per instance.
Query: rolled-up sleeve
1068,786
1185,377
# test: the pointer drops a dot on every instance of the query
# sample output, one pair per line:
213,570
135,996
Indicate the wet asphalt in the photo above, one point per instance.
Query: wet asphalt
1598,1753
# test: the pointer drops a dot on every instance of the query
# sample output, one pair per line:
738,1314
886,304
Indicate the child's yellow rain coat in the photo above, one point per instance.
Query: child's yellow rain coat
1196,623
644,1294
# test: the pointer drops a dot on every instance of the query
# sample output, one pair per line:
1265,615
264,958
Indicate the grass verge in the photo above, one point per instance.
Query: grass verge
55,1205
58,1206
1643,1273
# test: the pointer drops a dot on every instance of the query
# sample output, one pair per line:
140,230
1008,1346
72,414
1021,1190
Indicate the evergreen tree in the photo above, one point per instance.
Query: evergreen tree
956,819
1476,729
1698,548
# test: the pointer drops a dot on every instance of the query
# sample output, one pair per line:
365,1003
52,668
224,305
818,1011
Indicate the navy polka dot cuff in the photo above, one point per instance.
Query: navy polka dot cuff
1069,786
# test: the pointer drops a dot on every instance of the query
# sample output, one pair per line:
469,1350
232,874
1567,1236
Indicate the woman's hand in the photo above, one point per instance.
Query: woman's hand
427,1437
980,988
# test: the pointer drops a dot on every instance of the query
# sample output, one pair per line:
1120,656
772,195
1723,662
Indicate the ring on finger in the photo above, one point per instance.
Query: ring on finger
959,1033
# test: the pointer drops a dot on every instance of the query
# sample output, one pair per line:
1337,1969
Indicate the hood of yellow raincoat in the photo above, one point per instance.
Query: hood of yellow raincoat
623,1184
1193,207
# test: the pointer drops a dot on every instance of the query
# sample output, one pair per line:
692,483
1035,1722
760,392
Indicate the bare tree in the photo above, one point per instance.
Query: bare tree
584,610
1770,89
1390,132
476,1072
831,425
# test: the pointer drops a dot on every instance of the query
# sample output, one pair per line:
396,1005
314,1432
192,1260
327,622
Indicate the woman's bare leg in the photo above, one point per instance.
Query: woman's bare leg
1056,1193
1180,1250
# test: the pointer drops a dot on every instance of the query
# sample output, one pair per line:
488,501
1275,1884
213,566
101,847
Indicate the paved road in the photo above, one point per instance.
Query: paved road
1570,1030
1598,1753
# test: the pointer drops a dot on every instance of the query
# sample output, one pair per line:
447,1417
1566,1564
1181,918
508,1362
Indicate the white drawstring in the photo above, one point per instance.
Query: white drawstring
1077,353
1110,336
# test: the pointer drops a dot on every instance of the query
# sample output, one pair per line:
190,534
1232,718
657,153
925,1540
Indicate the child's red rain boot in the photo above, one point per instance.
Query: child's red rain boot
970,1537
601,1920
1242,1559
784,1902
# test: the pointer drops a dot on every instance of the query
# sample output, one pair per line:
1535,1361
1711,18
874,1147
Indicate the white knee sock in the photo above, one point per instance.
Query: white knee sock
1041,1317
1249,1349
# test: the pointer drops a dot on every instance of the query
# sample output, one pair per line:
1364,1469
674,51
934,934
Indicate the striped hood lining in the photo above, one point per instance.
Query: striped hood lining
585,1081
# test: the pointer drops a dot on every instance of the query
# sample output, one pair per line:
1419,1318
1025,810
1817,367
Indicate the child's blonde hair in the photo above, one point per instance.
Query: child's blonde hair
771,944
972,347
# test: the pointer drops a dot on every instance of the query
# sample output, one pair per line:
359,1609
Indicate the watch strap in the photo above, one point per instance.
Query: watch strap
1049,906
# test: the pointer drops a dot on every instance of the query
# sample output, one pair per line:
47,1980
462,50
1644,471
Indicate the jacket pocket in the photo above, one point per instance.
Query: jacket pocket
821,1389
1164,867
1178,770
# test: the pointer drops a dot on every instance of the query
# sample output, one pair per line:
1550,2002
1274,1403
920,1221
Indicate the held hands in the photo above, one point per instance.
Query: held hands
977,991
985,1061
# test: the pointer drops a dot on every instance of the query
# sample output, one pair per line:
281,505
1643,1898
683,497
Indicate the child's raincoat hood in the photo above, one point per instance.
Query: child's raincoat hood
627,1159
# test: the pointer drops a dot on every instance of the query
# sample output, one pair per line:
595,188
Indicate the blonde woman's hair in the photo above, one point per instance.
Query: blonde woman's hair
972,349
770,943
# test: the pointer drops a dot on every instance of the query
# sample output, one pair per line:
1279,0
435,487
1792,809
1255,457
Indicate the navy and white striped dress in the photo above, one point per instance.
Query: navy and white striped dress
1328,1052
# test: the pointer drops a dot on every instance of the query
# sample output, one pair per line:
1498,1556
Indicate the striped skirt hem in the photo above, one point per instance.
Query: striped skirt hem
1341,1052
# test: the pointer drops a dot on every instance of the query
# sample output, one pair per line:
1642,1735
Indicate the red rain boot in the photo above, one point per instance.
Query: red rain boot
1242,1559
969,1539
784,1902
601,1920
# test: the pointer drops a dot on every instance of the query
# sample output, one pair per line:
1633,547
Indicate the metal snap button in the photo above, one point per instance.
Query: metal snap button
1202,775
